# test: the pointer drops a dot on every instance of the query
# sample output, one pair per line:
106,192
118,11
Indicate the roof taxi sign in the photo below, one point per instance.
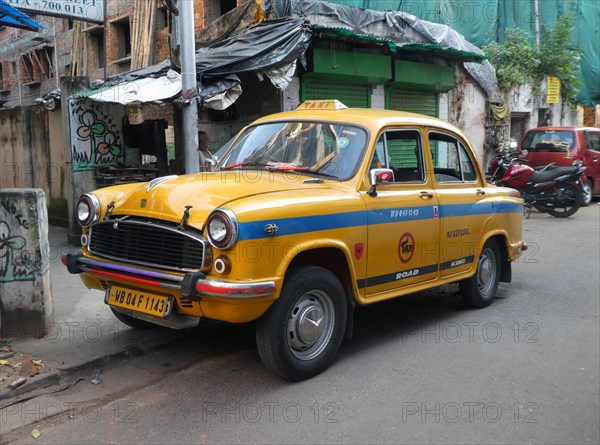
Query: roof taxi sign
86,10
326,104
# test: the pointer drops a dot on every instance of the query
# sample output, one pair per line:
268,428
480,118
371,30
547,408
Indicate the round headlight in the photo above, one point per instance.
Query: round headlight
222,229
88,210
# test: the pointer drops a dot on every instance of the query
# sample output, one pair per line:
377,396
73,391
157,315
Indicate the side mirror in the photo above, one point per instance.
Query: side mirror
379,176
210,163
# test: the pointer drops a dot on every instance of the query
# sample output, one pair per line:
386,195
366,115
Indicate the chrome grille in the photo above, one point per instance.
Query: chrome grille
150,243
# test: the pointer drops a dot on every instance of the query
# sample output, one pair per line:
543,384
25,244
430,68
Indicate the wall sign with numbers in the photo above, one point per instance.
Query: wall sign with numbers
87,10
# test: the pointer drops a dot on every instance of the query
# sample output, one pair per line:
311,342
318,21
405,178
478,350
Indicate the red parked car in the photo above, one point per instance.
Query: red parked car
563,146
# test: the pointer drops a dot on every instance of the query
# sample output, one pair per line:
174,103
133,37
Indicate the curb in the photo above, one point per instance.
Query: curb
11,396
33,383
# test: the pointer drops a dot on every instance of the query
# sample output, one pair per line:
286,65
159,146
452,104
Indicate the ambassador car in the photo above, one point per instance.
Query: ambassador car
308,215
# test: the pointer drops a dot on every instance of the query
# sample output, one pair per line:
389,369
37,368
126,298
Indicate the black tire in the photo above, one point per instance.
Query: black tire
573,197
302,331
587,193
133,322
480,290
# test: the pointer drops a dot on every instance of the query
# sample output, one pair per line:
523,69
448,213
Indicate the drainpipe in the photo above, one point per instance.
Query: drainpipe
55,54
189,86
537,22
19,77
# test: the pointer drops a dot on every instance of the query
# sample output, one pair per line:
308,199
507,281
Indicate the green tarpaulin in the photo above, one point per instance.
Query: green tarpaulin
484,21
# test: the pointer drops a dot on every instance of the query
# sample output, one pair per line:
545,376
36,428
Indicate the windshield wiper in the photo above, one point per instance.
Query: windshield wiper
327,175
280,167
309,171
246,164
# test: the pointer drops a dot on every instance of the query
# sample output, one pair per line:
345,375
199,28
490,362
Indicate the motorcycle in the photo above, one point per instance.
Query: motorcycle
554,190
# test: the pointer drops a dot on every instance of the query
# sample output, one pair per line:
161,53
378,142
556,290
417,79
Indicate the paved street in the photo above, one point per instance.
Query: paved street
421,369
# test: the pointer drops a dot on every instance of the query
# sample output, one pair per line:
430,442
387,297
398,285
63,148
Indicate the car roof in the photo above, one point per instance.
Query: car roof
565,128
365,117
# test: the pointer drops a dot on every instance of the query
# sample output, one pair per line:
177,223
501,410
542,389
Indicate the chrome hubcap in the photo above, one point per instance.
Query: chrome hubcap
587,192
486,271
310,325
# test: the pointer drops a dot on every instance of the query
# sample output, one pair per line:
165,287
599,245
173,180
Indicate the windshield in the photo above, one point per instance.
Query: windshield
549,140
317,148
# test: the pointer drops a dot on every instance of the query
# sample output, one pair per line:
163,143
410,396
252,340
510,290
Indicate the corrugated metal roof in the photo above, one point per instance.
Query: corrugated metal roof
431,48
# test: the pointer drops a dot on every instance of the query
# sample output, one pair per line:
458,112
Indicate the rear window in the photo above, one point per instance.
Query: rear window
549,140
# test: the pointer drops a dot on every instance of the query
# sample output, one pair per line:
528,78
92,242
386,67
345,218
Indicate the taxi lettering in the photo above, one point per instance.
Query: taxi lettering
458,232
404,213
460,262
407,274
407,248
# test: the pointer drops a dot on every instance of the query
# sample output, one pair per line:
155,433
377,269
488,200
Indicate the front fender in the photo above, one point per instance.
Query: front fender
355,269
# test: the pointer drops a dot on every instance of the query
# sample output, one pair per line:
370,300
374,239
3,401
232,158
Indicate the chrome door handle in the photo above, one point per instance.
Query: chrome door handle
425,195
481,192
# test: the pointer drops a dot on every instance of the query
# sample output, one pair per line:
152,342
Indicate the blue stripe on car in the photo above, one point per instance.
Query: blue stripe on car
291,226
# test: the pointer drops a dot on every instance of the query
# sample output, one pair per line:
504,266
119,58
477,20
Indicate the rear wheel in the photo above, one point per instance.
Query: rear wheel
302,331
479,290
569,201
587,193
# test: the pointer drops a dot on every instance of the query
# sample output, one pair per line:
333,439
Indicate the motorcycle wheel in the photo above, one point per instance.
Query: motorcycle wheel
587,193
573,195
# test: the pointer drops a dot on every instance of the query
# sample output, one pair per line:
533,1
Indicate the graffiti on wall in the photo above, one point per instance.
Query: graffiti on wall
16,263
96,139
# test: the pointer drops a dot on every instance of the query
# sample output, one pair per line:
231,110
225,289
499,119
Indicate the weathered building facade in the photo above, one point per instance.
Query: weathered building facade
38,69
64,143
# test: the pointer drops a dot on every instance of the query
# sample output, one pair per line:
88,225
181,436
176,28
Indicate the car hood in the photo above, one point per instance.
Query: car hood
166,198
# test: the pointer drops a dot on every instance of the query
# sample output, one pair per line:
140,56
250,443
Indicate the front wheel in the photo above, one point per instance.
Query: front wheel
479,290
302,331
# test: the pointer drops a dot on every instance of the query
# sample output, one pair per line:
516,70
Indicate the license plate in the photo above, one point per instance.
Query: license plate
140,301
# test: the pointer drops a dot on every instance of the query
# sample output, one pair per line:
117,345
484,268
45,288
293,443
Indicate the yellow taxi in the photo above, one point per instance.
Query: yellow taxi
308,215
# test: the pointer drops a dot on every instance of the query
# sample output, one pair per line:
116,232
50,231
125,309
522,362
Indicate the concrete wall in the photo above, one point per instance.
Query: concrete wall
25,295
527,99
32,155
467,105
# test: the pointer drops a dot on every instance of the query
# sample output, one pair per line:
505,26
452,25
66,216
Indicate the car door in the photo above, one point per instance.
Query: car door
403,223
462,197
591,157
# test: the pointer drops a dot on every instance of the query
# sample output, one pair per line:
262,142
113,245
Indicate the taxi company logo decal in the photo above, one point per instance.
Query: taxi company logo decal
406,247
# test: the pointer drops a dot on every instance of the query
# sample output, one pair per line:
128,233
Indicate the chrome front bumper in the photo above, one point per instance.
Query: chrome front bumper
192,286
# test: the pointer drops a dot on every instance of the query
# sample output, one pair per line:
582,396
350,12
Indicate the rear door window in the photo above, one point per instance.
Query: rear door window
451,162
592,140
